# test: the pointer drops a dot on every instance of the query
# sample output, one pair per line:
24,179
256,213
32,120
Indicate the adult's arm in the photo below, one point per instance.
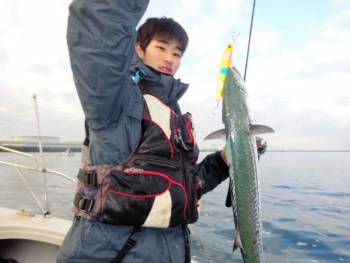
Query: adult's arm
101,37
212,171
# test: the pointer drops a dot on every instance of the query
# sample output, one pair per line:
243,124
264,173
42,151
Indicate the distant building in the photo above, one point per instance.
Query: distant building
31,144
44,139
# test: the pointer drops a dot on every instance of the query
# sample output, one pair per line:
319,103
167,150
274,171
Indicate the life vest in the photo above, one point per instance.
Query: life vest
155,187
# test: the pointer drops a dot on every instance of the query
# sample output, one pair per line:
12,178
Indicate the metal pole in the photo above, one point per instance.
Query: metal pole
14,151
39,132
20,153
36,199
47,213
250,36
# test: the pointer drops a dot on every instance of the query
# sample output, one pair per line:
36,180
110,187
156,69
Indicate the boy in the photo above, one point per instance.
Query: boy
134,201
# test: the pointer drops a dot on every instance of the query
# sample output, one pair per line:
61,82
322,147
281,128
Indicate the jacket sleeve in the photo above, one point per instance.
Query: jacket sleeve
212,171
101,37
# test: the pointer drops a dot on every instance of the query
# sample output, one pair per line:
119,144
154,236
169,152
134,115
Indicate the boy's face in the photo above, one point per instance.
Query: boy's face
162,55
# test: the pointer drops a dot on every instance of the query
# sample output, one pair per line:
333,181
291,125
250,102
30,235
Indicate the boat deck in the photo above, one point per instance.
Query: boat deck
17,225
30,238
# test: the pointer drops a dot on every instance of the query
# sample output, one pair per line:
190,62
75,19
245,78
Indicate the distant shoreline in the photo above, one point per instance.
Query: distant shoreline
318,151
75,147
311,151
46,148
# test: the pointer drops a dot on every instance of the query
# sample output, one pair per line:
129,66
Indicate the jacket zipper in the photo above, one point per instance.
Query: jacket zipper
161,164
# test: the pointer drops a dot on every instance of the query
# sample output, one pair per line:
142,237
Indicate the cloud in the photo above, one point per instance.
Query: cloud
34,60
299,89
9,14
339,2
4,59
312,94
341,18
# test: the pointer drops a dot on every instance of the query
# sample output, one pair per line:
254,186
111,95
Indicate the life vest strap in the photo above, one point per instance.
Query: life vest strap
129,244
186,232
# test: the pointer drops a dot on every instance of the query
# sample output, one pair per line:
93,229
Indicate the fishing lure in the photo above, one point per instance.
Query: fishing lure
224,66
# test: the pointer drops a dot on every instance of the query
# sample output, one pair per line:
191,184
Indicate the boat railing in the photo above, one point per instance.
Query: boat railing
36,168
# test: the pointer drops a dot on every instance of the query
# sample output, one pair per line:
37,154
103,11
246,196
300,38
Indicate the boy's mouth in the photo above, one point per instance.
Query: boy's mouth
166,70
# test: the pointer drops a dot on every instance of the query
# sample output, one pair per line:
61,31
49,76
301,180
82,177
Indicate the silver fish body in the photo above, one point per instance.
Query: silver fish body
241,153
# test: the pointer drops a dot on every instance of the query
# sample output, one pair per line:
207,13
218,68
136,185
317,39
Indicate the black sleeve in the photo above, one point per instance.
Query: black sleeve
212,171
87,139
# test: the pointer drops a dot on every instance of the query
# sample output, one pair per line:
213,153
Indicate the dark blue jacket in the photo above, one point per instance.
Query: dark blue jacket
101,38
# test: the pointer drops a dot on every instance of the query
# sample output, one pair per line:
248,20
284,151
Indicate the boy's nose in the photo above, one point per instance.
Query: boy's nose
168,58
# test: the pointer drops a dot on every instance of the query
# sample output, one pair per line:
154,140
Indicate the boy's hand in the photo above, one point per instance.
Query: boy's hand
261,146
223,156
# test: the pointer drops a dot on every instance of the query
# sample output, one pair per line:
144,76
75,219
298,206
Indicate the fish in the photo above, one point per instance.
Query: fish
242,157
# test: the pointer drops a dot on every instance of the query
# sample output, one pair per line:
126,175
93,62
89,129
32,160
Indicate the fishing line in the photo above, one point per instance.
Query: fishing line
250,36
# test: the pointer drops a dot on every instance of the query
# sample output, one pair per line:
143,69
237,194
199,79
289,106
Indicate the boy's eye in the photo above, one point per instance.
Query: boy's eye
177,55
160,47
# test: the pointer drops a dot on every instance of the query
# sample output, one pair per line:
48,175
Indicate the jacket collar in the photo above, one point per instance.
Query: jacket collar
154,82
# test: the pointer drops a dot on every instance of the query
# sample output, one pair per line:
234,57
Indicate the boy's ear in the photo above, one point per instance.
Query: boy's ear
139,51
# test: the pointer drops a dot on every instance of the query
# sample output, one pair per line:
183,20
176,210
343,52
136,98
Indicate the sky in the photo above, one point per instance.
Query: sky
297,79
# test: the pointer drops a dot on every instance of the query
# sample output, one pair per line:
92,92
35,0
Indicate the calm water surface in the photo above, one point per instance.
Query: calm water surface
305,206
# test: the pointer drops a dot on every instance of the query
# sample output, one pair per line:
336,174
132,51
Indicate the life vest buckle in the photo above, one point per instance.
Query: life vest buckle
180,141
91,179
86,204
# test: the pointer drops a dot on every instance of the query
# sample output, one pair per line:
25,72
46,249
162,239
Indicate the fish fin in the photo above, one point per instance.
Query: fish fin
218,134
253,128
260,129
237,243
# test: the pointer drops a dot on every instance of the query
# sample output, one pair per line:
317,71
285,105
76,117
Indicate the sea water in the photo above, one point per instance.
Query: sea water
305,206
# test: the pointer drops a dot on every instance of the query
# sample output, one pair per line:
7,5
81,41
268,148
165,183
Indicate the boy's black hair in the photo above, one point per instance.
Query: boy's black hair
161,28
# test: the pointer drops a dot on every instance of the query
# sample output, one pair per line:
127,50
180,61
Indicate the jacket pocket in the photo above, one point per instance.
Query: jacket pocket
138,197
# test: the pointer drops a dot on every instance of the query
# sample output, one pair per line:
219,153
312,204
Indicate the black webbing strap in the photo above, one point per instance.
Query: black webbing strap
186,232
228,202
129,244
88,178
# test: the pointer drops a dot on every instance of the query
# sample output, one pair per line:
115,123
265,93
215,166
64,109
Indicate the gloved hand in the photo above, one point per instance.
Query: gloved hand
261,145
